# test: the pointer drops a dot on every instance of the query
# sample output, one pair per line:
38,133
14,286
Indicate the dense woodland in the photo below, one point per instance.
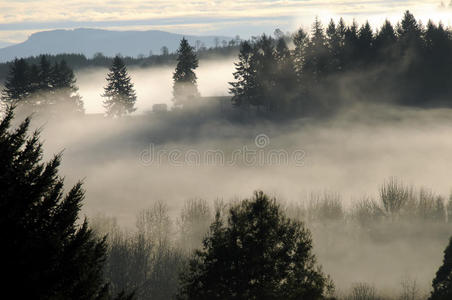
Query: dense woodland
256,248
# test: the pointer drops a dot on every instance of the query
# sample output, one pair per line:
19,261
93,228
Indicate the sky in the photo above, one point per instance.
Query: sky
20,18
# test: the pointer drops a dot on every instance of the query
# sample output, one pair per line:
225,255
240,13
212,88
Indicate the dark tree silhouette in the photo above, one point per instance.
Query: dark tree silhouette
185,88
317,58
385,41
334,41
366,44
300,40
442,284
266,72
286,77
45,74
257,254
119,93
17,85
43,88
243,90
65,91
47,253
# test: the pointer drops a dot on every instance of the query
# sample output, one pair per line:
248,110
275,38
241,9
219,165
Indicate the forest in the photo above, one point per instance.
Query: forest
367,214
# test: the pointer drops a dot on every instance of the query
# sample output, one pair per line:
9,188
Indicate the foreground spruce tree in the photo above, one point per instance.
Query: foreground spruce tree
185,88
258,254
46,252
119,93
442,284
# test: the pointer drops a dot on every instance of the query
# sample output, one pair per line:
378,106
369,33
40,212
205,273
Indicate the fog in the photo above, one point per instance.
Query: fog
154,84
351,154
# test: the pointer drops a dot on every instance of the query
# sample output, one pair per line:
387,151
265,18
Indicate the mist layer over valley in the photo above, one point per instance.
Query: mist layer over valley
350,155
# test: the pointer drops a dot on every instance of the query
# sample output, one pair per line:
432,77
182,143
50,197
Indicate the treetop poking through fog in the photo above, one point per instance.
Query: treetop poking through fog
185,88
119,93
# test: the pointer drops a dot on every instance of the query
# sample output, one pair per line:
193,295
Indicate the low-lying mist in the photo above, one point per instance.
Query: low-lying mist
154,84
351,154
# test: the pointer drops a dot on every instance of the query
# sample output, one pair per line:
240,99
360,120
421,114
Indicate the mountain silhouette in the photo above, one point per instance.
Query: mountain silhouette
91,41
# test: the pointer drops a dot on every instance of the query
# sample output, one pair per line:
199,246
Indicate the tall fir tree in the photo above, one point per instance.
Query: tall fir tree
385,41
267,96
17,85
351,45
45,74
47,253
65,89
243,89
185,88
317,54
300,40
365,44
286,77
119,93
334,47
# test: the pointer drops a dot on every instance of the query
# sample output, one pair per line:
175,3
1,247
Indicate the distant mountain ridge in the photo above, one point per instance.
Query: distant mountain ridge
90,41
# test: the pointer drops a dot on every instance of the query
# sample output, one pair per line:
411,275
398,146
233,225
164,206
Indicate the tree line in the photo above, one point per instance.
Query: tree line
408,64
290,75
52,89
43,87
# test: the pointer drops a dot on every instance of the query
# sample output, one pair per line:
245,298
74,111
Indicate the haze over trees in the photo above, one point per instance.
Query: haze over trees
257,248
119,93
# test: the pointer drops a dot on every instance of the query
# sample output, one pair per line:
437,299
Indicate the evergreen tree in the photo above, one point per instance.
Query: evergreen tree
258,254
286,77
185,88
45,74
65,90
243,90
46,253
17,85
366,44
351,45
316,60
442,284
119,93
385,41
409,31
34,78
266,71
300,40
334,47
